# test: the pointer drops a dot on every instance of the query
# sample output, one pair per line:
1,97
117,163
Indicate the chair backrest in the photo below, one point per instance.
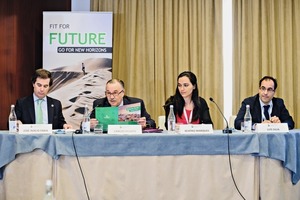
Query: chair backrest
161,122
231,121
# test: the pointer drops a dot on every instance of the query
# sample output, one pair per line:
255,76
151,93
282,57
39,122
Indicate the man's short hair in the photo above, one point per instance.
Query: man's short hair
269,78
114,80
43,74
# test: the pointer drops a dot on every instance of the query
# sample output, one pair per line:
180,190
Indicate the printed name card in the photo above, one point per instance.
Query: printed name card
35,128
272,128
124,129
193,128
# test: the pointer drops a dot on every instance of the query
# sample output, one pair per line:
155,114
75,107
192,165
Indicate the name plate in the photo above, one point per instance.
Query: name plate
272,128
35,128
124,129
193,128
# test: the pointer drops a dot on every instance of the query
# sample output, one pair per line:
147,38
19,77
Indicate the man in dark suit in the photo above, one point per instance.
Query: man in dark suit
38,108
264,107
115,96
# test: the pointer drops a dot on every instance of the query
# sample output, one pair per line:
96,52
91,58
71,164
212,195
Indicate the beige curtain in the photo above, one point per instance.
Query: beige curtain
267,42
155,40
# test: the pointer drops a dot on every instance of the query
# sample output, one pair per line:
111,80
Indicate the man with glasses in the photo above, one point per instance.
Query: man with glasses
115,96
264,107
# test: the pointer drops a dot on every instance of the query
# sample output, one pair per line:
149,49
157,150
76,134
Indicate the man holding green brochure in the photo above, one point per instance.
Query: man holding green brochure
115,97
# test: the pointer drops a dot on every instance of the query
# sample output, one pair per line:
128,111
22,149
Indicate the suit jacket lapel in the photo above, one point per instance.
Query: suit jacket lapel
275,108
31,109
257,110
126,100
50,107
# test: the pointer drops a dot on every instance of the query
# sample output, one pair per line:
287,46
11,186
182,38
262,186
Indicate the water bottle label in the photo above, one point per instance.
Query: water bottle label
247,125
86,126
13,126
171,126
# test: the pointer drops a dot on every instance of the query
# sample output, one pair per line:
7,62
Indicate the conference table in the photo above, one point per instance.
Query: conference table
152,166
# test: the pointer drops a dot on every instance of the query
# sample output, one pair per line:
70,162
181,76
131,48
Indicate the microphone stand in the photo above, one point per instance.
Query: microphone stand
227,130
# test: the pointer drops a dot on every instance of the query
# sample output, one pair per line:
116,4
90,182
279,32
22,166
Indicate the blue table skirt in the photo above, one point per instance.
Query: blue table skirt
283,147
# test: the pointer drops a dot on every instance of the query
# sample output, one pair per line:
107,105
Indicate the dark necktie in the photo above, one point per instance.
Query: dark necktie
266,112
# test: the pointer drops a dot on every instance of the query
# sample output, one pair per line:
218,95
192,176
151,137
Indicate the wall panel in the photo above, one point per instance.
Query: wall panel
21,47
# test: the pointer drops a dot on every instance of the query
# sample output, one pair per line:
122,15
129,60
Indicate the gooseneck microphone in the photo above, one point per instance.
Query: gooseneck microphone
227,129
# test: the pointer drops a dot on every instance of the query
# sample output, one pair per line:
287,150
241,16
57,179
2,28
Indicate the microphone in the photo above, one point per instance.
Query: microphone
227,129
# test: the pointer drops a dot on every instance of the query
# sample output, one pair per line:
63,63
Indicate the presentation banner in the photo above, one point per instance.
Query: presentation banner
77,49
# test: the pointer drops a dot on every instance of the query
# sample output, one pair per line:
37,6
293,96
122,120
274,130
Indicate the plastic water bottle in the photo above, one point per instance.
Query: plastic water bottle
171,120
248,120
49,191
12,120
86,121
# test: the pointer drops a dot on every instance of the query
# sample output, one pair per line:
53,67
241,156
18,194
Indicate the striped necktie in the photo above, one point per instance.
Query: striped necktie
39,112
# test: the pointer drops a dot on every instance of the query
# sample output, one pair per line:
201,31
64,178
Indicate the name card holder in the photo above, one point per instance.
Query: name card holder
124,129
271,128
35,128
193,128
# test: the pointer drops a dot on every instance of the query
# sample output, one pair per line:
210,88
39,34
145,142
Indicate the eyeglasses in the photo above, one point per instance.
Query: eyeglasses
266,89
114,94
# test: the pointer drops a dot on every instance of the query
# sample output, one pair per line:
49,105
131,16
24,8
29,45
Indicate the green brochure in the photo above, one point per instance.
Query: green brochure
126,114
107,115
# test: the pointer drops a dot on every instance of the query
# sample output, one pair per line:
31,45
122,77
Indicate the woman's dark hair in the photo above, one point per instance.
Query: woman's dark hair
179,101
43,74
